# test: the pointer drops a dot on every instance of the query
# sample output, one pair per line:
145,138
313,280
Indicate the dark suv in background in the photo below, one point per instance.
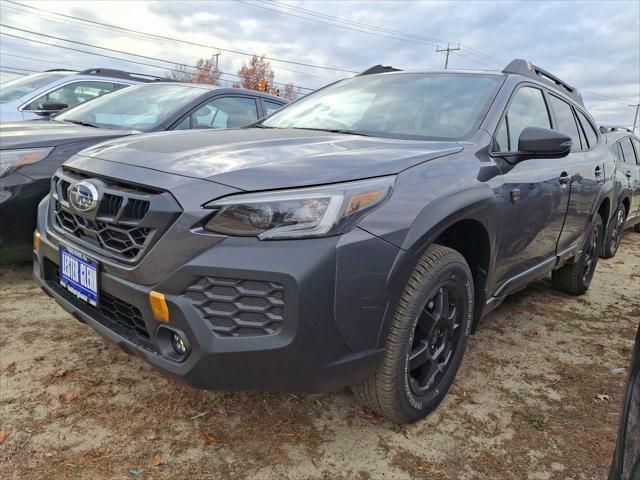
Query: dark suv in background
31,151
355,237
626,150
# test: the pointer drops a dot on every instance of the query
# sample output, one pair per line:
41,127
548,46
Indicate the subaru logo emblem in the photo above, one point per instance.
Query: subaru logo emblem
83,196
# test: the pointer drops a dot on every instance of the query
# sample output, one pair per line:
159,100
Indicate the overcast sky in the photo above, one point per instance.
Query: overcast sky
594,46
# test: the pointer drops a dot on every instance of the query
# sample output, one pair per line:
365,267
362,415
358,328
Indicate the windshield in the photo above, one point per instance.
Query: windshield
140,107
406,105
18,88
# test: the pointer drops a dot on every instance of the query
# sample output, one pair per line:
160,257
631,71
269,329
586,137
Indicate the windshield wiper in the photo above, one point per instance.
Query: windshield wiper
80,122
334,130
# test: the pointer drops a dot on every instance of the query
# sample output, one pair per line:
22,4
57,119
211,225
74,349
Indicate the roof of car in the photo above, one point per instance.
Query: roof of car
207,86
613,136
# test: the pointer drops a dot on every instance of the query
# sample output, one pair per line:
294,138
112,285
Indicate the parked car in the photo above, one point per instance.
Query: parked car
355,237
31,151
626,457
42,94
626,150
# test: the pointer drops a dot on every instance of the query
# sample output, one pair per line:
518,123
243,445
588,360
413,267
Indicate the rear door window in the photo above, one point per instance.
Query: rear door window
589,129
636,144
270,107
627,151
75,93
565,121
527,109
226,112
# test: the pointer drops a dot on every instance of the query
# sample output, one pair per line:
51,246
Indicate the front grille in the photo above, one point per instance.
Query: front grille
127,222
113,313
238,308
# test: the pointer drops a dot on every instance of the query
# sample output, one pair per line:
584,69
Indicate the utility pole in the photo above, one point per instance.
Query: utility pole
635,117
216,55
447,51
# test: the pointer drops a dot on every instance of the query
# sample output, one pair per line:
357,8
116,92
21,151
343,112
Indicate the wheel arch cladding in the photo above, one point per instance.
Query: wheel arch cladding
459,221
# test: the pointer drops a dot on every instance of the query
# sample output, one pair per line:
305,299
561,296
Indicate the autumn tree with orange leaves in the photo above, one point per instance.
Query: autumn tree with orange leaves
258,69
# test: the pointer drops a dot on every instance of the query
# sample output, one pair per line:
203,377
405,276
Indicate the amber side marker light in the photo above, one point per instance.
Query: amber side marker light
159,306
36,242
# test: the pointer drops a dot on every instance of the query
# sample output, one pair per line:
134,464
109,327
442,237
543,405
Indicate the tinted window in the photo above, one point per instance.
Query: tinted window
565,121
74,94
140,107
15,89
527,109
636,144
627,150
414,105
231,112
590,132
270,107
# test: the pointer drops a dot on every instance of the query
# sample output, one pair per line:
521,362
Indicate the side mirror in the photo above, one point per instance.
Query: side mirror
544,143
536,142
51,107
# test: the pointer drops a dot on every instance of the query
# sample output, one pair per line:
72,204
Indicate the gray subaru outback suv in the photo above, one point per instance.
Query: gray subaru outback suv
355,237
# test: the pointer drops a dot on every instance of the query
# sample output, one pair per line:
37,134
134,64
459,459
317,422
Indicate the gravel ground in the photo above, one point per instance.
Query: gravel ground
536,398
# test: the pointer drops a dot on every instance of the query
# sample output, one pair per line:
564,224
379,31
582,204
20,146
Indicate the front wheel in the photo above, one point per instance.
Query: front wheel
426,341
614,233
575,277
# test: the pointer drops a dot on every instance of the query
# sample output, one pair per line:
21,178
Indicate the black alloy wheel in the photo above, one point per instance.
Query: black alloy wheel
436,336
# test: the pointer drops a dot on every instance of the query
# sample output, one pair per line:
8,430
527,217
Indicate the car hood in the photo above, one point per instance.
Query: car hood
261,159
45,133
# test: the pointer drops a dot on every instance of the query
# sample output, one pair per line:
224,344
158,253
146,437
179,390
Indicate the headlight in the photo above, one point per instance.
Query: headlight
308,212
10,160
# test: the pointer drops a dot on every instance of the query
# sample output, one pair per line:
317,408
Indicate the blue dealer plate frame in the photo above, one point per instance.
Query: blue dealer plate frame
79,275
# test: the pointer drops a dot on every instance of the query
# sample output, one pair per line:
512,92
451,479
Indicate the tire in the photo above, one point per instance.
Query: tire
431,324
636,227
614,233
575,277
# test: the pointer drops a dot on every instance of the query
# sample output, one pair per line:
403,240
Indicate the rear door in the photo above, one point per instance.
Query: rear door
587,172
536,194
631,169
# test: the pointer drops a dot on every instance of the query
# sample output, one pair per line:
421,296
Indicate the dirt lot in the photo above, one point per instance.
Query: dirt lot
536,398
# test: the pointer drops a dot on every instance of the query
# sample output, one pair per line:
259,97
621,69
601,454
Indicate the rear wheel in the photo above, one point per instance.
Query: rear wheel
426,341
614,233
575,278
636,227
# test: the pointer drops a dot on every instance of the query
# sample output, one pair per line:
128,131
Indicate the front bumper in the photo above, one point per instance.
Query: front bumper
335,301
19,199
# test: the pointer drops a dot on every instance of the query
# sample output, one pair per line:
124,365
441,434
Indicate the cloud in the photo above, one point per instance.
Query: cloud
591,45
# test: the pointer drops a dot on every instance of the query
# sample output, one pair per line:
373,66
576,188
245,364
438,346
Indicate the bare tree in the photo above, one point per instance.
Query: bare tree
204,71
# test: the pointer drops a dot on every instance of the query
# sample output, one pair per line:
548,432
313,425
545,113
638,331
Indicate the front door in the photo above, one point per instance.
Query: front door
535,195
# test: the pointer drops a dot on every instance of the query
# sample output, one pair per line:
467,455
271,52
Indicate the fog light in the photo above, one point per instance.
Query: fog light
36,242
179,344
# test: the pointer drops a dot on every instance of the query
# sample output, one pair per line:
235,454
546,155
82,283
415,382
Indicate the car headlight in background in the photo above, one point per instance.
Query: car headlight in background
11,160
305,212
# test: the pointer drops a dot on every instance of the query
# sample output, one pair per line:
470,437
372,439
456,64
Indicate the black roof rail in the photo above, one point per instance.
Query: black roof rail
108,72
60,70
528,69
614,128
378,69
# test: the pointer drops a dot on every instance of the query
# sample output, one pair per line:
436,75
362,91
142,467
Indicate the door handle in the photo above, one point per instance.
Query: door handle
564,178
598,171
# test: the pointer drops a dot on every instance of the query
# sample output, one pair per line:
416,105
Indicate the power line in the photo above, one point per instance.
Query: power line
41,60
432,41
146,57
366,29
186,42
